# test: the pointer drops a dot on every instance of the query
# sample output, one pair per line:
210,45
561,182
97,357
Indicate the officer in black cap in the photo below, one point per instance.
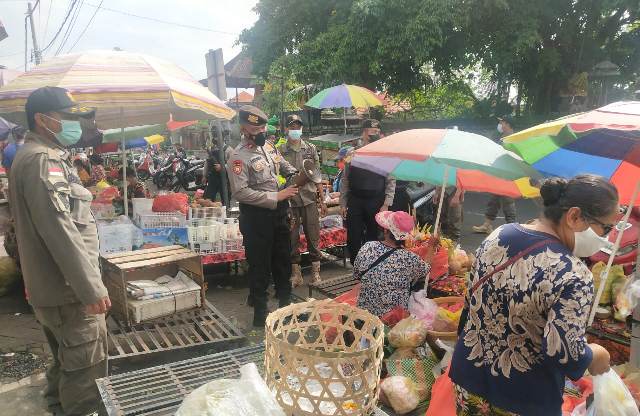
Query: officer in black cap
362,195
58,245
253,169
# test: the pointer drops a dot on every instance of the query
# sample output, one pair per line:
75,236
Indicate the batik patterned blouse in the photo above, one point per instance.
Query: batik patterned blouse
387,285
526,324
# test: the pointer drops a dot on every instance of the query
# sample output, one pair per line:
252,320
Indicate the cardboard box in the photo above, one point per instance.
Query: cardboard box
160,237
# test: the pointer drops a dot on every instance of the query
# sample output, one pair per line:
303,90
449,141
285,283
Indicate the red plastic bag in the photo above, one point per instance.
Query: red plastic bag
171,203
443,397
350,297
394,316
439,264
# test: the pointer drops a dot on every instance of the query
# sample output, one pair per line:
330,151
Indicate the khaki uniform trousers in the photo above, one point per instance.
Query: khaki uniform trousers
310,220
78,342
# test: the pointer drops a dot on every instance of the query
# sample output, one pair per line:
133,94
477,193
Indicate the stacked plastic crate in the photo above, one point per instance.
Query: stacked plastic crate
211,232
159,228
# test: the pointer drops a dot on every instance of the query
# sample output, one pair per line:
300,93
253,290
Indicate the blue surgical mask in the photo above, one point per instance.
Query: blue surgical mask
295,134
70,134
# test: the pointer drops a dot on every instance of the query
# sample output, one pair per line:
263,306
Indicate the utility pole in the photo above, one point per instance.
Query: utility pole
36,51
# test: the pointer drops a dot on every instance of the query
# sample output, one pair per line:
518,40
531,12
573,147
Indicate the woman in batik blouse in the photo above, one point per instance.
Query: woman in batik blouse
524,329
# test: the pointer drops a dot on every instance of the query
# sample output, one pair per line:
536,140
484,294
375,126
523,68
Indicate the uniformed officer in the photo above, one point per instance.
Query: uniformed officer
305,205
58,246
363,194
253,169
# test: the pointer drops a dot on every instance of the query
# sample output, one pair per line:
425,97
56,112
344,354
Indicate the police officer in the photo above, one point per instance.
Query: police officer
363,194
58,246
253,169
305,205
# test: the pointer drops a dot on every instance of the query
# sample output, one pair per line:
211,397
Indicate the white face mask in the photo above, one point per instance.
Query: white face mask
500,129
588,243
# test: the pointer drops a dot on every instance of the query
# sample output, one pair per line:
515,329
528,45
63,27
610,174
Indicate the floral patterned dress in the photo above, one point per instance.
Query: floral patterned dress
526,327
387,285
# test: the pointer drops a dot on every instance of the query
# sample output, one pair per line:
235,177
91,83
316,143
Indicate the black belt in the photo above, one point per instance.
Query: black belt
282,207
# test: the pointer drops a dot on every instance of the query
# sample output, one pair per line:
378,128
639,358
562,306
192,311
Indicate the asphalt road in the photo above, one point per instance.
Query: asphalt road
474,208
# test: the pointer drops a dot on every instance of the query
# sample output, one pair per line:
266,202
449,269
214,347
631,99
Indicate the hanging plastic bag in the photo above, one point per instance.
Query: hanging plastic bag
443,397
248,396
422,307
627,299
611,397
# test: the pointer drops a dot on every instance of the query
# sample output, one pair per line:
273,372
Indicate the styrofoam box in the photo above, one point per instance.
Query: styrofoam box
144,310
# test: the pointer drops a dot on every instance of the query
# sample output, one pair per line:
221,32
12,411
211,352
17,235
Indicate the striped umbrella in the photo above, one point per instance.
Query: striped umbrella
345,96
128,89
451,158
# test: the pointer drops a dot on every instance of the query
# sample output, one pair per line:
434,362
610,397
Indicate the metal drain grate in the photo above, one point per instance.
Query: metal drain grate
334,287
195,328
159,390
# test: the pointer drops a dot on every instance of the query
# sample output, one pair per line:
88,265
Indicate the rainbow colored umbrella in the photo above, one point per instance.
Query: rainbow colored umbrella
471,161
603,142
345,96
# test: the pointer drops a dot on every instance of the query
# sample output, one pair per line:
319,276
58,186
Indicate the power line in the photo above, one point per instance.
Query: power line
70,27
86,27
152,19
46,25
72,5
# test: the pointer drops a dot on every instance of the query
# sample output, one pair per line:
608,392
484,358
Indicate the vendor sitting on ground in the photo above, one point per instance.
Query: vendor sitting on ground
387,270
135,189
97,168
83,174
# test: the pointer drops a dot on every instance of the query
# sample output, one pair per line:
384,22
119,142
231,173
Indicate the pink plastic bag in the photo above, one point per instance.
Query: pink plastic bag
423,308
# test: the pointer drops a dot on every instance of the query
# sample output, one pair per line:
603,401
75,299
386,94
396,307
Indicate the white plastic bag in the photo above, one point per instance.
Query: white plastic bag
400,393
611,397
248,396
422,307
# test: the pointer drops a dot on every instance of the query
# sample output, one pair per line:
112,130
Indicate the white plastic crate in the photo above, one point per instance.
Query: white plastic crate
206,247
142,206
205,230
231,229
232,245
161,220
208,212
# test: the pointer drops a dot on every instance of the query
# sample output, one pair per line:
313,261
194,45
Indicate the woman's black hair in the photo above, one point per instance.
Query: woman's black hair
594,195
398,243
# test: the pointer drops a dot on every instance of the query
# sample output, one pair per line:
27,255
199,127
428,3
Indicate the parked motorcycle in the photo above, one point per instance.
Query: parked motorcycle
189,176
145,168
165,174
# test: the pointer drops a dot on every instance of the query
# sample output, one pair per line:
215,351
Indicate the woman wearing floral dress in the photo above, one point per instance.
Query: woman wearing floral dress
525,325
388,284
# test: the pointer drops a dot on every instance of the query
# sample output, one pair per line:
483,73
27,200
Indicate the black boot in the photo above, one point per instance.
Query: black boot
259,317
284,301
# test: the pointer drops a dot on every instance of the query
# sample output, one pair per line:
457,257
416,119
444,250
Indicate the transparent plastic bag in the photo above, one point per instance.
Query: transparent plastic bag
611,397
400,393
410,332
248,396
627,299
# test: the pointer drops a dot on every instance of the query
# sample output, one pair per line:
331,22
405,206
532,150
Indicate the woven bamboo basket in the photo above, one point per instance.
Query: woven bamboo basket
446,336
324,358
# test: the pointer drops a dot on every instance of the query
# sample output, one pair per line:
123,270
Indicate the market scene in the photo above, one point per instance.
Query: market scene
320,208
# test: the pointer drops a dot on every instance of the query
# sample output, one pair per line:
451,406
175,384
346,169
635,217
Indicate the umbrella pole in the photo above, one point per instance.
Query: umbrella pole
614,250
124,166
445,178
344,115
634,358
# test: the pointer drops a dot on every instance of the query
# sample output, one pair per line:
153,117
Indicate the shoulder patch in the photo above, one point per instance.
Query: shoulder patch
237,167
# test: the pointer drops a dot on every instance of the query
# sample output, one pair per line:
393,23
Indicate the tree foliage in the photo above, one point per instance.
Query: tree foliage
538,46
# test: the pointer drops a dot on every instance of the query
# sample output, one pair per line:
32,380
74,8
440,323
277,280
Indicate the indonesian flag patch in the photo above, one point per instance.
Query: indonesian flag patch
55,172
237,167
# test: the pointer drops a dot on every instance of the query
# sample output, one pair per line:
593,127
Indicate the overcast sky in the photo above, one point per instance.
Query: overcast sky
183,46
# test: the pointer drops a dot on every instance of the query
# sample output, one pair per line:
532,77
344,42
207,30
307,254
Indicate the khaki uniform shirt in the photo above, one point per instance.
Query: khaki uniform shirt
56,231
253,172
308,193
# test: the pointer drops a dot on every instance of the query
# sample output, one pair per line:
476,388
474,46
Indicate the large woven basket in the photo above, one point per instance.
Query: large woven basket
324,358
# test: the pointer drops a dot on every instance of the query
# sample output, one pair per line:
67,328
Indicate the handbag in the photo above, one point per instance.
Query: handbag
464,315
